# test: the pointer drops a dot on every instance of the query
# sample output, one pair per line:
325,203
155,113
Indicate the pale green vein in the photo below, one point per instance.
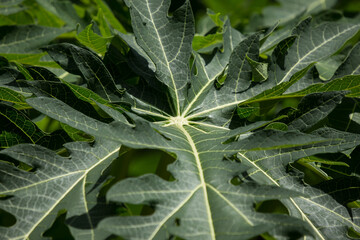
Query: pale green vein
166,59
87,209
247,220
214,109
303,215
202,179
182,203
85,172
313,50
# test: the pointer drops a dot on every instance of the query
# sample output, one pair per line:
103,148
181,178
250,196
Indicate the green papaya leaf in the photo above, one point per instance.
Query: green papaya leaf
243,131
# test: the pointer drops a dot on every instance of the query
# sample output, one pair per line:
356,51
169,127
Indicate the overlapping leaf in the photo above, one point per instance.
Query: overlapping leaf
290,10
291,56
25,39
167,41
93,41
55,183
63,10
17,128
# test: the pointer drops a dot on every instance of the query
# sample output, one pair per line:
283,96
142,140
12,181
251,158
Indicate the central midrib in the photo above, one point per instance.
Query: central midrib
166,59
202,178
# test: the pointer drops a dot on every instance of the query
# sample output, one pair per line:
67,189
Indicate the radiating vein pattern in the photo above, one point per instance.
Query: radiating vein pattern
152,90
203,178
167,41
41,193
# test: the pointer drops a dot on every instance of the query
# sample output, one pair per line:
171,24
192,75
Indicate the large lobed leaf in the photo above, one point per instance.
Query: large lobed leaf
54,183
185,105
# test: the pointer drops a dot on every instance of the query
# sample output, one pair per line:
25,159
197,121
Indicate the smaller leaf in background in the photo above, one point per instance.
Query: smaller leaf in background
17,128
24,72
127,54
10,10
349,6
326,68
103,25
9,79
118,60
85,94
10,2
34,59
95,100
349,83
351,66
244,111
40,73
88,38
26,39
9,95
8,139
355,117
322,160
209,40
63,10
239,11
62,92
305,49
289,10
344,190
55,13
217,18
16,120
30,12
340,165
110,16
279,89
19,18
77,135
269,32
259,70
80,61
204,25
277,126
341,119
275,34
42,16
239,74
313,108
206,44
